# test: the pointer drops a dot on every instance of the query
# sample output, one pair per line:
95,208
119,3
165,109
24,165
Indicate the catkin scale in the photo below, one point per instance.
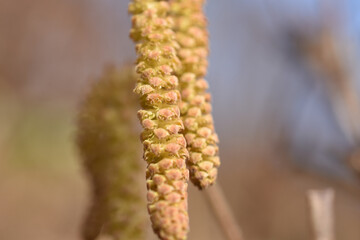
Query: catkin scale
190,30
108,144
164,144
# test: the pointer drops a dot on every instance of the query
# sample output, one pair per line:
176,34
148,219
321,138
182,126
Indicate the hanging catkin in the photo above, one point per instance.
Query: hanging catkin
109,146
164,144
192,36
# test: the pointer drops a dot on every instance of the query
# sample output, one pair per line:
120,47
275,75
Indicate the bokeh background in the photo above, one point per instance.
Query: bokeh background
284,78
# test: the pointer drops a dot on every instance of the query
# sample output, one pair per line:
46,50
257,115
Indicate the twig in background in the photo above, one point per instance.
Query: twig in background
321,204
325,54
223,213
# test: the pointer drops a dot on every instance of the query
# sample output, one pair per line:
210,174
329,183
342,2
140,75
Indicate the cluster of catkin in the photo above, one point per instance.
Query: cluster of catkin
109,147
172,47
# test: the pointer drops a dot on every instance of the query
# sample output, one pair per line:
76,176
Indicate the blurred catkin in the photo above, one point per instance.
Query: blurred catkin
109,147
164,144
191,33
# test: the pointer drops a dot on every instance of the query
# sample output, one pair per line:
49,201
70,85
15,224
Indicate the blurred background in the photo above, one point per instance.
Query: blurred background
284,78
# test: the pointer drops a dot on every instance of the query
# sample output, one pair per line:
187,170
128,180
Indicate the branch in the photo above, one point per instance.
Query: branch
223,212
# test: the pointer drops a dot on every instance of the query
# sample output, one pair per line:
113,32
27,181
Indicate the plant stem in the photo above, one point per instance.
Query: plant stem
223,213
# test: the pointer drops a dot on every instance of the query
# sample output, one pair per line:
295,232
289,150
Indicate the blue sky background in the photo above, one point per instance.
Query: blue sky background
257,86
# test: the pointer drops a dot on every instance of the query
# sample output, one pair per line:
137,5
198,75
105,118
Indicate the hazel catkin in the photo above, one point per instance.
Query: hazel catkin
108,144
190,27
164,144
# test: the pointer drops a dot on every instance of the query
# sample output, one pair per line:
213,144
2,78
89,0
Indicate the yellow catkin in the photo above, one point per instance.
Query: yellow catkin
164,144
191,33
109,146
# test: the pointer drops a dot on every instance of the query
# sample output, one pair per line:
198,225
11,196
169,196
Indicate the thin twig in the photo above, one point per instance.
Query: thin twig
322,213
324,54
223,212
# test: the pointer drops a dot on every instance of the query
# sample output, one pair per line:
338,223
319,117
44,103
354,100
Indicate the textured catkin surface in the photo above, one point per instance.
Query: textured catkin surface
190,27
109,147
164,144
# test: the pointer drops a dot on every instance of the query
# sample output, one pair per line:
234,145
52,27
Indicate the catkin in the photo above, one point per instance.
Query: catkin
108,145
164,145
191,33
